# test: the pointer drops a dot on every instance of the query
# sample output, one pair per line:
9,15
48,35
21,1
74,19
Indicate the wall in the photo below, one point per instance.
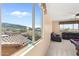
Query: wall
55,27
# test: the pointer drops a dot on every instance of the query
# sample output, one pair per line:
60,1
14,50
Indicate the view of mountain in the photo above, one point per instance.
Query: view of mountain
14,27
8,25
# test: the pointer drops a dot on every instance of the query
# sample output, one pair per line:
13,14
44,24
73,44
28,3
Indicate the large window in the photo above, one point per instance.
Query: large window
18,26
68,27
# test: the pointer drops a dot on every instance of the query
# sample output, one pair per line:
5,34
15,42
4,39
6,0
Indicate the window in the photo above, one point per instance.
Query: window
61,27
38,22
75,27
68,27
18,26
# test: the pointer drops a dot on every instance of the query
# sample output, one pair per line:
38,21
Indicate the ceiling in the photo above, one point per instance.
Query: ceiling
62,11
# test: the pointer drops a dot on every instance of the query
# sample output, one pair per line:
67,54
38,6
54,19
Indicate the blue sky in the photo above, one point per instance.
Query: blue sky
21,13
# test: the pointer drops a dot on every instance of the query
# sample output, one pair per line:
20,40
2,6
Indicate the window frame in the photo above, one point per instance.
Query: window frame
33,23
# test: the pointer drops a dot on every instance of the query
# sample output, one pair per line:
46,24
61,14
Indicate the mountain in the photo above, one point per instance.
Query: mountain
13,26
8,26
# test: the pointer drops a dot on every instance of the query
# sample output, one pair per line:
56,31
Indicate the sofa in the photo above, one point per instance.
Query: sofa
70,35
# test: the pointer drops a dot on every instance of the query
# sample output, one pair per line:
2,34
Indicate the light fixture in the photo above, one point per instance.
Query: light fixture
76,18
77,14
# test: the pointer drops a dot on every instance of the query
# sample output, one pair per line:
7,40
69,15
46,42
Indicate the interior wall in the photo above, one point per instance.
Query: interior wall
41,48
55,27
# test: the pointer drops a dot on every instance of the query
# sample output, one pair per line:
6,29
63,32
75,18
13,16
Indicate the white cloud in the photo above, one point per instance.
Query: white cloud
20,13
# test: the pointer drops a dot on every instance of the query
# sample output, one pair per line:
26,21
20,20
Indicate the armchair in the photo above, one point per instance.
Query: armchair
55,37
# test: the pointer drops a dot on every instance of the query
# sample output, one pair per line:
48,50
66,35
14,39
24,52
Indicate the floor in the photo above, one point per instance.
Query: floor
64,48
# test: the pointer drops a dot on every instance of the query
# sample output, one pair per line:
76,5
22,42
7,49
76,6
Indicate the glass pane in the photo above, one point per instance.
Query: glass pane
61,27
75,27
0,29
68,27
38,22
16,27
